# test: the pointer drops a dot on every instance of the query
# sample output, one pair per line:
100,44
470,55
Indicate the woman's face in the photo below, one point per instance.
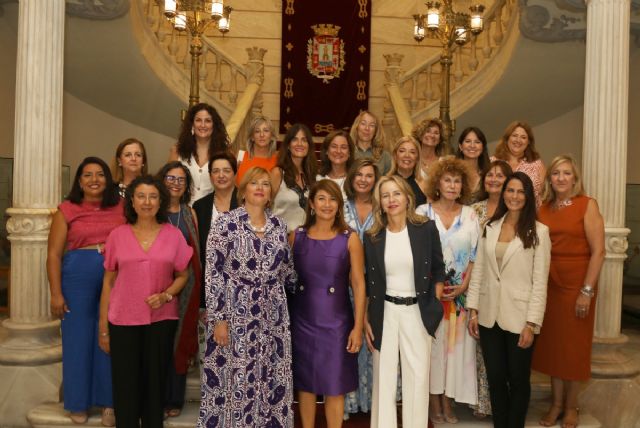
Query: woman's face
338,151
176,182
325,206
299,146
262,135
406,157
366,128
563,179
222,175
92,182
258,191
431,136
146,201
514,196
450,186
393,200
202,125
471,146
131,159
518,142
364,180
494,180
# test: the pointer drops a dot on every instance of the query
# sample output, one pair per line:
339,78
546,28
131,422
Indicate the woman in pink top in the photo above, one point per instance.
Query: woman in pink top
145,265
74,267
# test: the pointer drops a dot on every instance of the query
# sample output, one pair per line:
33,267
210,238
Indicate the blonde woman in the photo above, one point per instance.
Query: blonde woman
368,136
261,148
406,164
403,303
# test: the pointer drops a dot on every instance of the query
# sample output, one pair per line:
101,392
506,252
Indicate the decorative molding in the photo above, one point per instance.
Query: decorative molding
616,243
26,224
97,10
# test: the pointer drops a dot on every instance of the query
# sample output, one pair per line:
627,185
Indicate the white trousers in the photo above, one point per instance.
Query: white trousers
403,335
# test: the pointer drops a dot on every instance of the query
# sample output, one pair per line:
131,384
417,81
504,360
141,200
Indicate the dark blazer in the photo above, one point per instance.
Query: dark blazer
428,269
204,208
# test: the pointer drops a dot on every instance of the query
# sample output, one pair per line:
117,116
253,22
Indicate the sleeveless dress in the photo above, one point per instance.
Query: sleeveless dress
563,348
322,316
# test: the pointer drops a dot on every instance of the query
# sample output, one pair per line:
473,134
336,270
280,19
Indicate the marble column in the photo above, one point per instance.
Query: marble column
31,353
605,164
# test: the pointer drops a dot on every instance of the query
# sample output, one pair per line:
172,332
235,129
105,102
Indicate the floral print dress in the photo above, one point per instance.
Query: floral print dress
249,382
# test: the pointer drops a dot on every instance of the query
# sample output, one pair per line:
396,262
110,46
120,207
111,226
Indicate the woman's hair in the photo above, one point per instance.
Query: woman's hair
453,166
228,156
186,145
116,168
548,194
325,163
339,225
483,160
130,213
380,218
394,154
378,142
256,122
502,149
358,164
110,196
498,163
526,227
161,174
250,175
285,162
421,128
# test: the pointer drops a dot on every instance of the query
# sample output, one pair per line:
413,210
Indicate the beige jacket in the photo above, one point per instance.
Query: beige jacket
516,293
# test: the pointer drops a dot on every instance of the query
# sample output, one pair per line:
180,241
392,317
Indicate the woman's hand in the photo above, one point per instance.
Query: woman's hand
526,337
221,333
156,300
103,342
354,343
451,292
473,325
58,306
583,304
368,334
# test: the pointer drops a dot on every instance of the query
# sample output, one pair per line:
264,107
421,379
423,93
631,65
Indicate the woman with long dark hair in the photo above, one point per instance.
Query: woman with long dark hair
472,149
78,232
507,298
201,135
336,157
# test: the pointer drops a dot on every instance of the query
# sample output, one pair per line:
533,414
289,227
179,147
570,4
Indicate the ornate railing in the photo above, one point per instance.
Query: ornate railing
234,89
414,94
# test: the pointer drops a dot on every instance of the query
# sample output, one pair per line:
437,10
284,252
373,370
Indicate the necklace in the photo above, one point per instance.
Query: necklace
177,222
257,229
564,203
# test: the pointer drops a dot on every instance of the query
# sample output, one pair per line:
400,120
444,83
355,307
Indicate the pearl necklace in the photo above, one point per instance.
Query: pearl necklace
563,204
257,229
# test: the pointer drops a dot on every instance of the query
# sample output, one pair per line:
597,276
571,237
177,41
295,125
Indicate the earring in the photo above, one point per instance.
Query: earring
192,131
119,164
437,193
313,212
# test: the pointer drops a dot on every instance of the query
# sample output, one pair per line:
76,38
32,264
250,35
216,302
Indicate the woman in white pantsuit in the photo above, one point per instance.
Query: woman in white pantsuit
403,307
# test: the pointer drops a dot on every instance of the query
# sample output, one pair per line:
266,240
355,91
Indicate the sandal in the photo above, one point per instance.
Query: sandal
108,417
79,417
570,419
553,415
172,413
451,419
438,418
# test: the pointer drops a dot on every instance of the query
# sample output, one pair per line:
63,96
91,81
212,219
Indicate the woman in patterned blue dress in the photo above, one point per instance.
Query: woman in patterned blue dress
247,380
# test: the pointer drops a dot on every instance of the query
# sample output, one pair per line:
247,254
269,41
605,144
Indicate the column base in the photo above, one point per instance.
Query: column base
25,387
31,344
614,402
609,362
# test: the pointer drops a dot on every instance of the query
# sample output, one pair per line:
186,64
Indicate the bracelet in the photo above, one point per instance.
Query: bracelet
587,290
531,328
104,334
168,296
475,317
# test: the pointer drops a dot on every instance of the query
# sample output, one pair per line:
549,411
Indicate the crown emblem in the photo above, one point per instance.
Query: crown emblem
326,30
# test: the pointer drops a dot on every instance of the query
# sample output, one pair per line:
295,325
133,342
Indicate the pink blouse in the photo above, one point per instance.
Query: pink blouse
141,274
88,223
535,171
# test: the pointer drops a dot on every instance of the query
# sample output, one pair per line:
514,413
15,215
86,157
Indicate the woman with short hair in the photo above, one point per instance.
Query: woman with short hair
262,149
430,134
129,162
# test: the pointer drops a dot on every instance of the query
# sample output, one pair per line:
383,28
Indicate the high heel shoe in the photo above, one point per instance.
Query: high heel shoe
552,417
571,416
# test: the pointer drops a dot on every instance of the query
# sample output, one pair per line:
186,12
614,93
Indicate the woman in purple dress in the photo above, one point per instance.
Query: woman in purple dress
246,381
326,332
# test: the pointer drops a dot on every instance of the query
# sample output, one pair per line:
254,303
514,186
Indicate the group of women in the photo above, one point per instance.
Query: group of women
323,277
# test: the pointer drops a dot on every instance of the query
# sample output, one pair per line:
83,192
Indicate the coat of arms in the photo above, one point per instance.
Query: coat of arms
325,52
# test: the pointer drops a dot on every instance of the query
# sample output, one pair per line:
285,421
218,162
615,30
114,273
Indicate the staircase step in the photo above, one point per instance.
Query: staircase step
54,416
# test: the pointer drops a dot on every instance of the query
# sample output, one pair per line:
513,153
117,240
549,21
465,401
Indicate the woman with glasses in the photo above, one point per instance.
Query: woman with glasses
177,179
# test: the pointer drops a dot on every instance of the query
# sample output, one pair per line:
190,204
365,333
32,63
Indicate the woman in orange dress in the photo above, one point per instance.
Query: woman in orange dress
563,349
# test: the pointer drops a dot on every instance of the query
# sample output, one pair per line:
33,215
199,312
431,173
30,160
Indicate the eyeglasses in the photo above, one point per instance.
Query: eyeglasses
172,179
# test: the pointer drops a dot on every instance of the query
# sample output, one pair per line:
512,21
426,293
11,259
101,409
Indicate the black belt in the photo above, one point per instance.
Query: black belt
407,301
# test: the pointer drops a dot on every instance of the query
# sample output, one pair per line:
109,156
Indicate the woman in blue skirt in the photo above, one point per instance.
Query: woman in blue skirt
74,266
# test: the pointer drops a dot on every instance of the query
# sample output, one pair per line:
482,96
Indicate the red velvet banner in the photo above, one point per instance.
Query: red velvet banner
325,63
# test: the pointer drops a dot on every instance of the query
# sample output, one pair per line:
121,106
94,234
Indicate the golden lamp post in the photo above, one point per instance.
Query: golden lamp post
449,27
195,16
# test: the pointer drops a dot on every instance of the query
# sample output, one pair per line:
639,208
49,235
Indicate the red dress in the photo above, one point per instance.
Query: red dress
563,348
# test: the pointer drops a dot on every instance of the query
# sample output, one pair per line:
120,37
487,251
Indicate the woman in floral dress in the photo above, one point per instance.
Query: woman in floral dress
247,380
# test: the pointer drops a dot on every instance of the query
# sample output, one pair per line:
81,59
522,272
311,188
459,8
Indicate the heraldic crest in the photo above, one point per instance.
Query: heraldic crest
325,52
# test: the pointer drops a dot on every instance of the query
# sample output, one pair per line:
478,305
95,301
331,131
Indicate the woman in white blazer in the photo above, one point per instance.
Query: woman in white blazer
507,296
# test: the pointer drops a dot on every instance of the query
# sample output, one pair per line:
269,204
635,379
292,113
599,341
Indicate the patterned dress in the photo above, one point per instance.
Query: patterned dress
249,382
453,353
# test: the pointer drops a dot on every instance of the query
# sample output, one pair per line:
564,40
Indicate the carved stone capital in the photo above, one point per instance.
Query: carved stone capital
29,224
255,65
393,73
615,242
